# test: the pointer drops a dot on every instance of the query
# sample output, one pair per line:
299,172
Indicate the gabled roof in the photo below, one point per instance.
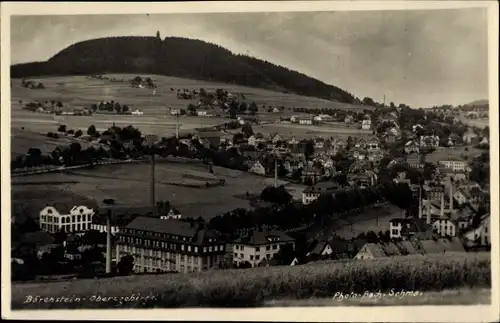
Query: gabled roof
391,249
173,227
257,238
375,249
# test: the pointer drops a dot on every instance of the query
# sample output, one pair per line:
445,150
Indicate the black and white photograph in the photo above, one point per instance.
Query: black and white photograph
292,159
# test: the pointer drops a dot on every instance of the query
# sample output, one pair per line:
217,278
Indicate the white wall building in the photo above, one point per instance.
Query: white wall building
456,165
78,219
259,245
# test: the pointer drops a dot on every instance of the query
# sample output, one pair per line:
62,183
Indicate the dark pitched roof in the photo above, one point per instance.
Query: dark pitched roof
173,227
375,250
257,238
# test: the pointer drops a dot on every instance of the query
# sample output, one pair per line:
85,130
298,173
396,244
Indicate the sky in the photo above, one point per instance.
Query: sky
417,57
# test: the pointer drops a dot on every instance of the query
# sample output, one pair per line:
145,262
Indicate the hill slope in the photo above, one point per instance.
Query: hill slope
179,57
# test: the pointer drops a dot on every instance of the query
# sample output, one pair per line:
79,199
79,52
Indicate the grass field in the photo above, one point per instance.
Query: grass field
129,185
256,287
78,91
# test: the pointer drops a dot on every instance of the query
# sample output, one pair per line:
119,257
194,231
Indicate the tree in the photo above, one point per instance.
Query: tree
278,195
118,107
191,109
91,131
125,108
62,128
243,107
126,265
158,34
247,130
78,133
253,108
59,104
309,149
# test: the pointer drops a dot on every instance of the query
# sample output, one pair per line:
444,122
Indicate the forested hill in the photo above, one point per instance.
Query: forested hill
178,57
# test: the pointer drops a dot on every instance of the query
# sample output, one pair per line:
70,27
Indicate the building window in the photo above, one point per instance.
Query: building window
251,257
195,249
189,248
204,249
275,247
210,249
257,249
235,255
257,257
221,247
241,255
268,248
182,247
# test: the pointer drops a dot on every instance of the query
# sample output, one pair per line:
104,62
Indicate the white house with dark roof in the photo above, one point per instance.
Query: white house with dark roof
54,218
259,245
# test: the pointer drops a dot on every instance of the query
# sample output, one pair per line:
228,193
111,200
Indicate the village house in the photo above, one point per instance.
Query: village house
360,143
136,112
484,141
305,120
276,138
412,147
312,193
416,160
55,219
349,119
429,141
470,137
319,144
417,127
258,245
371,251
389,138
358,153
293,141
481,233
453,139
257,168
366,124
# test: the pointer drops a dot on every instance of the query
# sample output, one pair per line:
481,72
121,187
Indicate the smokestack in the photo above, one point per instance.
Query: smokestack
420,202
108,242
429,207
152,192
275,172
442,204
451,197
177,126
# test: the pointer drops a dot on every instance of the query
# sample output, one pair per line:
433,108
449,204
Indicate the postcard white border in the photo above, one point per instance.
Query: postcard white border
310,314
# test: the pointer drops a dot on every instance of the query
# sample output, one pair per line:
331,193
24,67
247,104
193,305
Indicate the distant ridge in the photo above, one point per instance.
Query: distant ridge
477,103
180,57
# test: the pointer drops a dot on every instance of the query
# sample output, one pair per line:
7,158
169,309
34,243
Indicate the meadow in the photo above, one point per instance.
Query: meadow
173,181
260,286
80,92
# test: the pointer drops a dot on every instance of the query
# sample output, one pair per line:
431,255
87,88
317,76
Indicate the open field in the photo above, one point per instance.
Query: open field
371,219
78,91
22,140
480,123
129,185
258,286
444,153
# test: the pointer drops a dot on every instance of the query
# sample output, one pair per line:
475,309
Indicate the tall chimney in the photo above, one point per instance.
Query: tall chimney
108,242
275,172
442,204
451,197
429,209
177,126
152,192
420,202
